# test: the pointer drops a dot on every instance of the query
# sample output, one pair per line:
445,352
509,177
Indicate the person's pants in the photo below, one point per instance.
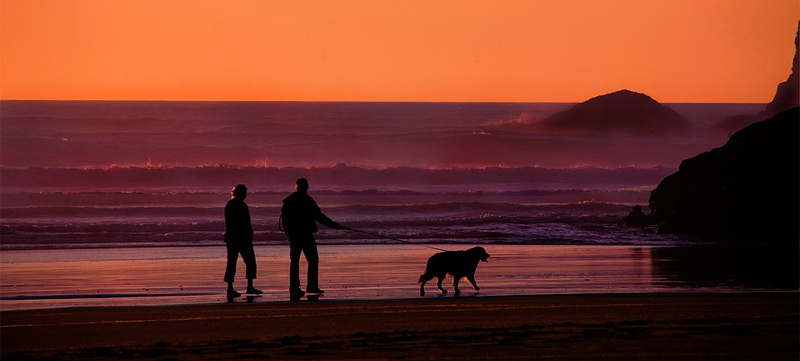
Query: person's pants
248,256
306,244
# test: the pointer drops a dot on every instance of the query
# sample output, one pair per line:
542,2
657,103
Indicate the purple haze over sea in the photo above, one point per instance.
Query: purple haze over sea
119,174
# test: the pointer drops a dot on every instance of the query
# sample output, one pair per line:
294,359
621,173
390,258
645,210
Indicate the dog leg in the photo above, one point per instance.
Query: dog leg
455,286
423,280
471,279
439,284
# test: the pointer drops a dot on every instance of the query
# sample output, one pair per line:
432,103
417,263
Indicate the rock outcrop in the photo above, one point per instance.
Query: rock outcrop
621,112
746,190
788,95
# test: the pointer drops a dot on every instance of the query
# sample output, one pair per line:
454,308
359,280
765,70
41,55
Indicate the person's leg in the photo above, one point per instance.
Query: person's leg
230,268
312,256
249,257
295,248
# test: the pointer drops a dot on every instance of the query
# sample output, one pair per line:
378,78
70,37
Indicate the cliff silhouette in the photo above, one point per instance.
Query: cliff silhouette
787,95
621,112
746,190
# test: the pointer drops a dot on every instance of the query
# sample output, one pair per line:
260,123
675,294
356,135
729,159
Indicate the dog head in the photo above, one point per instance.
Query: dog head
479,253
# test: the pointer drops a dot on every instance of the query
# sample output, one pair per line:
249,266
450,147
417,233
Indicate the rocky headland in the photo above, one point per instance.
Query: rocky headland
787,96
746,190
788,93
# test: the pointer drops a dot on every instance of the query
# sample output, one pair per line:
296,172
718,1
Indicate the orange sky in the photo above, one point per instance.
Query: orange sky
464,50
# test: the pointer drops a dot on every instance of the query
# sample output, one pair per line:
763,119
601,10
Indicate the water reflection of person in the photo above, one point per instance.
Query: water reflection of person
239,240
299,217
636,218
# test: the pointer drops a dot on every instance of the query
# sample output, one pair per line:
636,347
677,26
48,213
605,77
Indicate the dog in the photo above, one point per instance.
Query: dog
457,264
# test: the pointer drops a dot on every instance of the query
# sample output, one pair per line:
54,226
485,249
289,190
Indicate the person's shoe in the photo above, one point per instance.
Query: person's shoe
314,290
254,291
296,294
233,294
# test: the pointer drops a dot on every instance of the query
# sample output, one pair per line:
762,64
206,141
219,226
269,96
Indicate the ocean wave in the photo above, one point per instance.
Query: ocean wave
446,222
342,178
447,210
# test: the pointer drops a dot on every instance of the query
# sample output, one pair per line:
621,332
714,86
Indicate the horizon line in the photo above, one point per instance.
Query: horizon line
350,101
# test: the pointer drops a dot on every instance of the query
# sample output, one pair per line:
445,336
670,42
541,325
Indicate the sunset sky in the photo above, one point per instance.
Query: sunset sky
343,50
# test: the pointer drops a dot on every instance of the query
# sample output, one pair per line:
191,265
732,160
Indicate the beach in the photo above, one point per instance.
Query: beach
685,326
39,279
535,302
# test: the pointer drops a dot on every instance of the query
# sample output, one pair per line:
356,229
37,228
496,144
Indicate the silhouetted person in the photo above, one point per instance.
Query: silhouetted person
299,217
239,240
636,218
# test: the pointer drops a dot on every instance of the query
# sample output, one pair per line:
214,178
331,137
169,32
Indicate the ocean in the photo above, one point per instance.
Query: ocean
121,203
151,174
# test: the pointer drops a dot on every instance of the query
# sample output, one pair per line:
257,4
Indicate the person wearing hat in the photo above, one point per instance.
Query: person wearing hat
299,217
239,240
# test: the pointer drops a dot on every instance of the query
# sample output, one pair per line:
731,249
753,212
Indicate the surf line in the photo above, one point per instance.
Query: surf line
392,238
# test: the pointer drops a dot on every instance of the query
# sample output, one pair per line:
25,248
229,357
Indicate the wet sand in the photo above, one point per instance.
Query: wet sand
535,302
193,275
184,275
672,326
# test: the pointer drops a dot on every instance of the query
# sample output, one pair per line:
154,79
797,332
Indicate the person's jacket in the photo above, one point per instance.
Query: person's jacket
300,213
238,228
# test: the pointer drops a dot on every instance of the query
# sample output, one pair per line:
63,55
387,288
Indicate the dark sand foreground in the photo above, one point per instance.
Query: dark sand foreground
686,326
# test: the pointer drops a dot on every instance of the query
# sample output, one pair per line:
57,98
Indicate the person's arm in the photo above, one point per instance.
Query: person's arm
248,224
323,219
327,222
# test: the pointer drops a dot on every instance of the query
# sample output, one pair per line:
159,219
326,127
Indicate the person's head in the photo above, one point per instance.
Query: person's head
301,185
239,191
637,208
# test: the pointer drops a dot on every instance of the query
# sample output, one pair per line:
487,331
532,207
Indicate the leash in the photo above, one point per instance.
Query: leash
392,238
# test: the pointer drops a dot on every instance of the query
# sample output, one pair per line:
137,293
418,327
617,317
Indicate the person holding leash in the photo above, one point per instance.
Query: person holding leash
299,217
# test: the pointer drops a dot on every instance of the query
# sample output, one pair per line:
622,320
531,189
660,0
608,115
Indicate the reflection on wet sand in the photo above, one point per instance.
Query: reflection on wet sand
183,275
746,267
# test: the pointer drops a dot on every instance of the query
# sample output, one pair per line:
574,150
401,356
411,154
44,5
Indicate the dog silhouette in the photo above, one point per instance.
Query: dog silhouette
458,264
